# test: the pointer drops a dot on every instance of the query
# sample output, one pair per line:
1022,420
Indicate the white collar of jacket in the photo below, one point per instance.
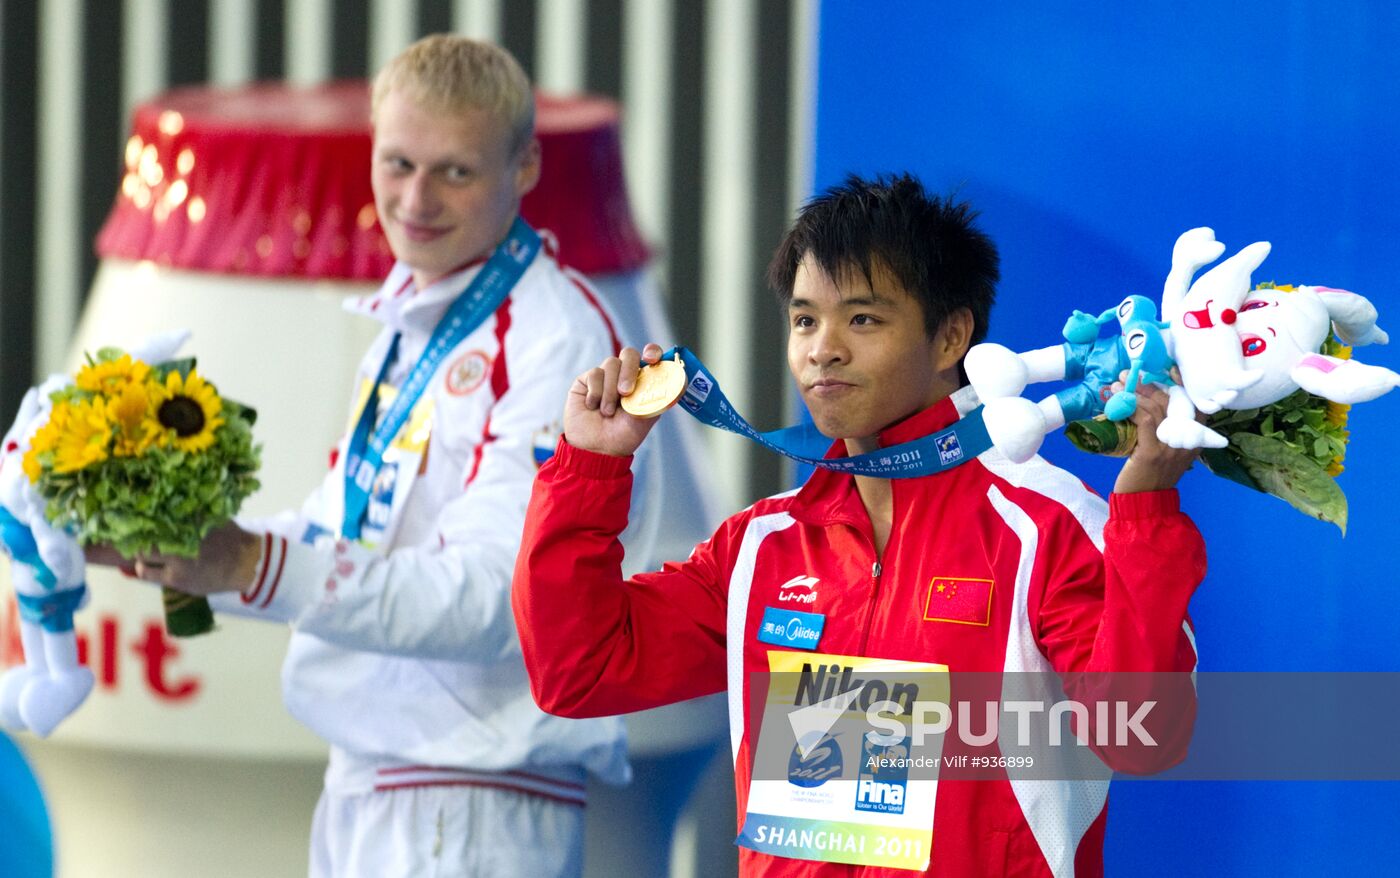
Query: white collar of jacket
400,305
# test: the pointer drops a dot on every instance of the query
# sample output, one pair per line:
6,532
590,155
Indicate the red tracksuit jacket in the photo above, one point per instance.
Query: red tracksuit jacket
1063,581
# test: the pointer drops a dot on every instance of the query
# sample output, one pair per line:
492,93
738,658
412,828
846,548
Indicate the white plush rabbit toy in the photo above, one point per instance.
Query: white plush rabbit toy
1235,347
1240,348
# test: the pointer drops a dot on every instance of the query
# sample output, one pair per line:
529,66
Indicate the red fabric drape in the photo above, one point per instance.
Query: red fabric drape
273,181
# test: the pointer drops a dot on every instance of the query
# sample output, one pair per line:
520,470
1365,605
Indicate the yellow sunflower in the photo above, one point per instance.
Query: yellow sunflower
83,435
133,412
45,440
1336,413
32,467
188,410
110,378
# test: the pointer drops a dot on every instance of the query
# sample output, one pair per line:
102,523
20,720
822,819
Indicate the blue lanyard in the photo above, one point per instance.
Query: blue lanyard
481,298
925,456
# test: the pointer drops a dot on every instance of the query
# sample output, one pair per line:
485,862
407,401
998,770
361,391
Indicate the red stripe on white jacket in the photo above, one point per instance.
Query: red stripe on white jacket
414,776
500,383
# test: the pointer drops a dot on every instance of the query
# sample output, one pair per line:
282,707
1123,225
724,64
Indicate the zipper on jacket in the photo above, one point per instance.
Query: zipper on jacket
875,571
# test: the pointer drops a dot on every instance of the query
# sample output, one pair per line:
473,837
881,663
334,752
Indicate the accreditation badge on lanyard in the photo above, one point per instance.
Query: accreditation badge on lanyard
840,775
402,463
368,443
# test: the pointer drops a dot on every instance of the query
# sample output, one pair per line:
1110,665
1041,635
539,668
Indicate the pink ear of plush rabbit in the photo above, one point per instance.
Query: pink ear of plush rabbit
1241,348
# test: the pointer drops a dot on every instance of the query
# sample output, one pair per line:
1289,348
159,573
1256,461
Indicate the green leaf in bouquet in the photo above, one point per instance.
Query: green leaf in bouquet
1231,417
1292,477
246,412
1222,462
120,526
172,546
1102,436
184,366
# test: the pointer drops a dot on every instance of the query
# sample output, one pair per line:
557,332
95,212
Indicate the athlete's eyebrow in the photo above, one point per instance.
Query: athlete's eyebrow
860,301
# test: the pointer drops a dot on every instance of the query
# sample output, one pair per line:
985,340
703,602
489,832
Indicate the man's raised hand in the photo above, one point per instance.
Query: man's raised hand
593,415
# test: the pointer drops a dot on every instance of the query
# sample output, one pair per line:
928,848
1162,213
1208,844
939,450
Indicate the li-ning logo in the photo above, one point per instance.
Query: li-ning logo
949,449
516,250
798,590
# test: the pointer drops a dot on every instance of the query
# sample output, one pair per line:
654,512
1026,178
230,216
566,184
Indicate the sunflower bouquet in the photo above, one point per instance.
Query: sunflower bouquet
146,458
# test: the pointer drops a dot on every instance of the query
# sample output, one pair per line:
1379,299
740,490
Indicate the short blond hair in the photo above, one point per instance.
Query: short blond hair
451,73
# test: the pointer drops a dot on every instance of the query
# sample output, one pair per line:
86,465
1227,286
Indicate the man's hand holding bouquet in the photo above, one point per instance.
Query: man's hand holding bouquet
136,452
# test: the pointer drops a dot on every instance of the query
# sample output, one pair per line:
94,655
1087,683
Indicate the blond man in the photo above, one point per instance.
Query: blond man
396,580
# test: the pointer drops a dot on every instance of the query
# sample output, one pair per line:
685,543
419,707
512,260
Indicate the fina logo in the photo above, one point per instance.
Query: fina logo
823,761
878,796
699,388
881,786
949,449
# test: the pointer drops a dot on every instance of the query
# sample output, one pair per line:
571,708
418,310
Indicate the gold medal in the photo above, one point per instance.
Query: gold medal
659,386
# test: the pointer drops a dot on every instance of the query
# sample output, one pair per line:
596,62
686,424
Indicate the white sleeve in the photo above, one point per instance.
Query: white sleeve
290,524
450,600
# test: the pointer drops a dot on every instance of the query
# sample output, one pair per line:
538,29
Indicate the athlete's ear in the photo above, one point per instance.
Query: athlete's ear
953,339
527,173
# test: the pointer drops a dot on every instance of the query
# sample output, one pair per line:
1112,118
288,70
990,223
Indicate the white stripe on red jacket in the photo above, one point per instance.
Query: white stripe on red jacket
1076,585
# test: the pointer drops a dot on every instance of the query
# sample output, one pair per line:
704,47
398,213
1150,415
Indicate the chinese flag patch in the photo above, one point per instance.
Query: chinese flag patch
954,599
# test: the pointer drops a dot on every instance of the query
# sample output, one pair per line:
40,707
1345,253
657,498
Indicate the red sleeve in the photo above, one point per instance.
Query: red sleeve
595,644
1115,625
1153,558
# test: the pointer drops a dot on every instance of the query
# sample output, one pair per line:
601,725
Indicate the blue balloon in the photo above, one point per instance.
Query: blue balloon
26,845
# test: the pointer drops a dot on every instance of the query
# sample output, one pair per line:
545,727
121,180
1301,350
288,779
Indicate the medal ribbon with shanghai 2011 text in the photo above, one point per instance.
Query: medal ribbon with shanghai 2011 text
924,456
480,299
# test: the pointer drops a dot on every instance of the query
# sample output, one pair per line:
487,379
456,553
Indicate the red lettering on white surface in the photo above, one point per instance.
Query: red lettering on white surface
11,648
100,649
155,648
106,666
107,674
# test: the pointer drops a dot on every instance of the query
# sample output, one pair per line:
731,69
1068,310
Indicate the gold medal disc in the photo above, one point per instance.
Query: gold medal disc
659,386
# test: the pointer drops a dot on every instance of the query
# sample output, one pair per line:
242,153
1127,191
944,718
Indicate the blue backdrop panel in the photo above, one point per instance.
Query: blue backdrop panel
1090,137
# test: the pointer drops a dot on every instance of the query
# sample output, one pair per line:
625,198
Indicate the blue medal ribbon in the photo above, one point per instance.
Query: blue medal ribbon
925,456
486,292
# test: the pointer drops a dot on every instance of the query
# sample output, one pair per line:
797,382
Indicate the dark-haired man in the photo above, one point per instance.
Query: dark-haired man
886,288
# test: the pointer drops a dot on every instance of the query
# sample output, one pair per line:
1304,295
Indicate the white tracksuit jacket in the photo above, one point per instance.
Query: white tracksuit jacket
405,656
